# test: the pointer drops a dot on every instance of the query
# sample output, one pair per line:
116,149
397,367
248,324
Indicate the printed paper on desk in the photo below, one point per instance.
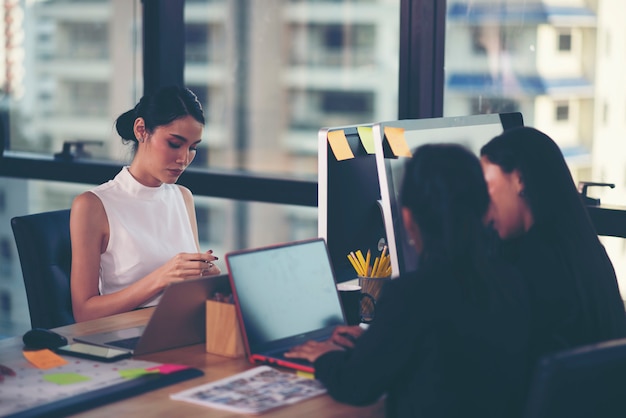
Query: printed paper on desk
339,144
254,391
397,141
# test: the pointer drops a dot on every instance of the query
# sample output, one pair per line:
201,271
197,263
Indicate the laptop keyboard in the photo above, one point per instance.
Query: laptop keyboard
128,343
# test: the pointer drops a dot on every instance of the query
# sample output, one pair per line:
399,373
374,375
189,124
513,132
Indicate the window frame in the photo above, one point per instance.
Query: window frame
422,28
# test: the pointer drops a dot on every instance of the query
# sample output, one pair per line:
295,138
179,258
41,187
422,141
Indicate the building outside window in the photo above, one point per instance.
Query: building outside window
557,64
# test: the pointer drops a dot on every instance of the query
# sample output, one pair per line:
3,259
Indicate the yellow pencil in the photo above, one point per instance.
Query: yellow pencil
367,262
384,261
382,267
387,266
375,268
361,259
356,268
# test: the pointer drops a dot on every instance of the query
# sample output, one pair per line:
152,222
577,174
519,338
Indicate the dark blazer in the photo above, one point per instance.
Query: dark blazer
436,352
565,314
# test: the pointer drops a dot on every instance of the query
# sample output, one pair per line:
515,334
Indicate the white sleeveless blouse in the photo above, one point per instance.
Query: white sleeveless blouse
147,227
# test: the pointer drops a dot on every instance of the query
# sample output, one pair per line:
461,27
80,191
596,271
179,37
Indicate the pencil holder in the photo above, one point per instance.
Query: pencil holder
372,286
223,336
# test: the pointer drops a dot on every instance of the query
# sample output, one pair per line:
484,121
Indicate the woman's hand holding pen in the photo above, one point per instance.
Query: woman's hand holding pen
210,269
187,266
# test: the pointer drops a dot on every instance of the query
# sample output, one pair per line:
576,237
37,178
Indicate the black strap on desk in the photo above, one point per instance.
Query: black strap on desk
95,398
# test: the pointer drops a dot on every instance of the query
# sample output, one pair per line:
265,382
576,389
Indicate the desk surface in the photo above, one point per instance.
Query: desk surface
157,403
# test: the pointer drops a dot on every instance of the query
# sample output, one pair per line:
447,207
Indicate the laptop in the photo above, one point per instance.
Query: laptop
285,295
178,319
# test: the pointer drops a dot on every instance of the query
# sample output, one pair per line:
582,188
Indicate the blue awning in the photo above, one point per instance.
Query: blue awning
516,84
575,152
536,12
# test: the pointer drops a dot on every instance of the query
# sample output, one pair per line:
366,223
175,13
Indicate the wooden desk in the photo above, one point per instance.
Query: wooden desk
157,403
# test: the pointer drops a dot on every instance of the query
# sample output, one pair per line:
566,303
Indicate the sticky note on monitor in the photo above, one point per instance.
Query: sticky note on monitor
367,138
397,141
339,144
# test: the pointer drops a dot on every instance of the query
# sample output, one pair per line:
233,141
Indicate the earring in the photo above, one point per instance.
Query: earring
521,193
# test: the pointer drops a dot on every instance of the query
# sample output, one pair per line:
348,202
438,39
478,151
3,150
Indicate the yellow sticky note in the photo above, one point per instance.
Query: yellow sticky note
339,144
367,138
306,375
44,359
397,142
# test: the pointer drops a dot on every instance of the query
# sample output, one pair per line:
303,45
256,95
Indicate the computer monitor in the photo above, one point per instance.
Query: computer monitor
349,213
470,131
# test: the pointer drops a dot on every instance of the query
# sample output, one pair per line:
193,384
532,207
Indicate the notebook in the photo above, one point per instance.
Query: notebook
285,295
178,319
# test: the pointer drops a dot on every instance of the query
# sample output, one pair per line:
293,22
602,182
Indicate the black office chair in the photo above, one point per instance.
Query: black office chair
588,381
43,245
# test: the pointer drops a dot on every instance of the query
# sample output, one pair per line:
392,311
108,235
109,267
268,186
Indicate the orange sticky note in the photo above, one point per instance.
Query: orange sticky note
44,359
339,144
367,138
397,142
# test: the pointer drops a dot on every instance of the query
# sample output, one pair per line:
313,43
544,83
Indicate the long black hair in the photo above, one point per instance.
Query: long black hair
445,191
557,208
159,109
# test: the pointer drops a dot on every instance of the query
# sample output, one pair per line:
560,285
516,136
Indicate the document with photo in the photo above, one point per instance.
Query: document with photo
253,391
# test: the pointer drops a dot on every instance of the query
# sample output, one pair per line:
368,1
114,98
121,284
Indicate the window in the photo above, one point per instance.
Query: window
478,44
485,105
569,95
5,303
263,81
203,217
562,111
333,37
347,102
565,41
196,43
6,257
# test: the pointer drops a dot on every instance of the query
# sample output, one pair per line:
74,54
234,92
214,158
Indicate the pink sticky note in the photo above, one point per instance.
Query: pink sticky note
168,368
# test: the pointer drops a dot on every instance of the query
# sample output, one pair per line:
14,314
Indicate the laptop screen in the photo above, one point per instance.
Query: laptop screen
284,291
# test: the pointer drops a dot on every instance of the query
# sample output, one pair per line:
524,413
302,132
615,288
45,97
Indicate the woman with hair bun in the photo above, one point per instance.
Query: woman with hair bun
135,234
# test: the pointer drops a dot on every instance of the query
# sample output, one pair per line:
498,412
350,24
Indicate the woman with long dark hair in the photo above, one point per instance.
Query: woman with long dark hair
450,339
548,235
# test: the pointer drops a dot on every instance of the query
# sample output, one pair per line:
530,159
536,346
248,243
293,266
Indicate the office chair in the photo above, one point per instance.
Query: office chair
588,381
43,245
